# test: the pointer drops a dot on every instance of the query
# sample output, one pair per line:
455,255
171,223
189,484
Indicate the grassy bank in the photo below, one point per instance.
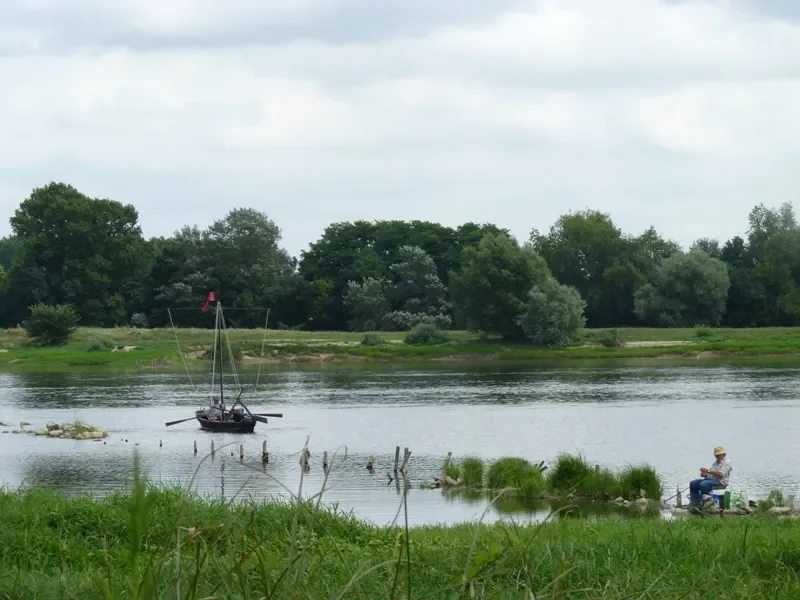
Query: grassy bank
137,348
151,545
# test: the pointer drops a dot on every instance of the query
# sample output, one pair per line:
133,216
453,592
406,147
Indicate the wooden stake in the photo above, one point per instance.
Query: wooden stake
406,456
160,443
212,447
371,463
325,460
195,446
679,497
264,453
396,458
241,451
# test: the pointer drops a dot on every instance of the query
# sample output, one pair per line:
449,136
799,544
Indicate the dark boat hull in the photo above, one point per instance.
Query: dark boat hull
229,426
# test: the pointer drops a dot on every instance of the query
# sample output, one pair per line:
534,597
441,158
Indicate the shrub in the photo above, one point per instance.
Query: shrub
553,315
569,473
51,325
601,482
426,335
472,471
641,477
100,345
372,339
703,332
610,338
451,469
516,473
139,320
401,320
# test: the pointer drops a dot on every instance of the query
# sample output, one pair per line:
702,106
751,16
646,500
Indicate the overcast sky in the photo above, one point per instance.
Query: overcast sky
678,114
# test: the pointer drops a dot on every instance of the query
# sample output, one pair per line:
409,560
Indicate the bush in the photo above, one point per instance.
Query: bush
703,332
101,345
401,320
516,473
569,474
553,315
51,325
426,335
472,472
372,339
139,320
610,339
642,477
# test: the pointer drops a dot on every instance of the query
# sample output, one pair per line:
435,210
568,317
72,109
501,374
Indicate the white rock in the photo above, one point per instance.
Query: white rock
780,510
641,501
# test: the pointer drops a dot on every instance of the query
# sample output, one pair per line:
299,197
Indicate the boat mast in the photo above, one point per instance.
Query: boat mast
221,372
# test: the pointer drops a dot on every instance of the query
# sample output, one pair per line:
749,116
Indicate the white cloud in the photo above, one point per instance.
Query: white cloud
641,108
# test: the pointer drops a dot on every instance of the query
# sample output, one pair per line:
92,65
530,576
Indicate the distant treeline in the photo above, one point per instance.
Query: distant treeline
67,248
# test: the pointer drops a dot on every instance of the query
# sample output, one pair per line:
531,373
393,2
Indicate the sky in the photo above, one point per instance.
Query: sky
680,114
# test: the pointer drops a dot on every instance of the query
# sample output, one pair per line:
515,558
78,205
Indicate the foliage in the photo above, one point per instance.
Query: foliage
472,471
554,314
492,288
689,289
425,334
632,479
139,320
68,248
165,545
367,303
568,473
372,339
611,338
51,325
515,473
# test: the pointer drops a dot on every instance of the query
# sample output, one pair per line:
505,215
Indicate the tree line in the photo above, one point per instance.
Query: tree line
69,249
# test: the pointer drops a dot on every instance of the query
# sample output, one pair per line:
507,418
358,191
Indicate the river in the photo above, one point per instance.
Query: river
670,415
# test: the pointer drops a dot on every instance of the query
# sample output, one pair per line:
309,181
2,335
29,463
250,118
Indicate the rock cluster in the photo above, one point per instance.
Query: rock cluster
72,432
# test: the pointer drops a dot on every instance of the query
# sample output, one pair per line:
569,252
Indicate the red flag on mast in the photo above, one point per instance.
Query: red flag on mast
212,297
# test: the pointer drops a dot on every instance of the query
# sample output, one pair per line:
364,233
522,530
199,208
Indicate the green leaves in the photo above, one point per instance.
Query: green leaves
51,325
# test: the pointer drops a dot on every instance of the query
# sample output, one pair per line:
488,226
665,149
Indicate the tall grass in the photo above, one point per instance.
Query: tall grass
161,543
632,479
515,473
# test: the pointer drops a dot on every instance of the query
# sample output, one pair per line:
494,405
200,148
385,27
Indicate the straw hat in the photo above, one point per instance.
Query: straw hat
719,450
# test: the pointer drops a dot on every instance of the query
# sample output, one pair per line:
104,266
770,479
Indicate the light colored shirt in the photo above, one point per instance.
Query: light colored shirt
724,467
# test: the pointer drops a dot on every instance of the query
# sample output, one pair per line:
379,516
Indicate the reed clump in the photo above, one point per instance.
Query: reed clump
569,475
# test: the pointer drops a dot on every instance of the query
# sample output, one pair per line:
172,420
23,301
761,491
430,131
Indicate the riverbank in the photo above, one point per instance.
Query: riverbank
157,348
51,546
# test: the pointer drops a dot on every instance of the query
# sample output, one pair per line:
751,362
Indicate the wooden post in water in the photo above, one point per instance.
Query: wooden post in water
325,461
241,452
396,459
679,497
264,453
212,447
406,456
160,443
195,446
371,463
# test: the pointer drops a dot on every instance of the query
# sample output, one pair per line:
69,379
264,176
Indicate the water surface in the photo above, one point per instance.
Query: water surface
666,415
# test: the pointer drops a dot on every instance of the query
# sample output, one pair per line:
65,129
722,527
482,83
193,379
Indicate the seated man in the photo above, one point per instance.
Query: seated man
715,477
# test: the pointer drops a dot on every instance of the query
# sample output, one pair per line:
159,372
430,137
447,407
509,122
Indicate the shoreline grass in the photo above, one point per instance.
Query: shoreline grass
569,475
154,543
128,348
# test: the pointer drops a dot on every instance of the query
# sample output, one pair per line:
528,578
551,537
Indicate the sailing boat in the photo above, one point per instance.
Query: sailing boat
217,416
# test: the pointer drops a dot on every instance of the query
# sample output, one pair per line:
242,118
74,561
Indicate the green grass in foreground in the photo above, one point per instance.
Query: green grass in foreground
93,347
153,545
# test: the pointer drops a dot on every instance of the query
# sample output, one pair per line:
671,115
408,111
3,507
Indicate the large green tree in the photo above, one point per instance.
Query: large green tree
689,289
73,249
491,290
587,251
354,251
